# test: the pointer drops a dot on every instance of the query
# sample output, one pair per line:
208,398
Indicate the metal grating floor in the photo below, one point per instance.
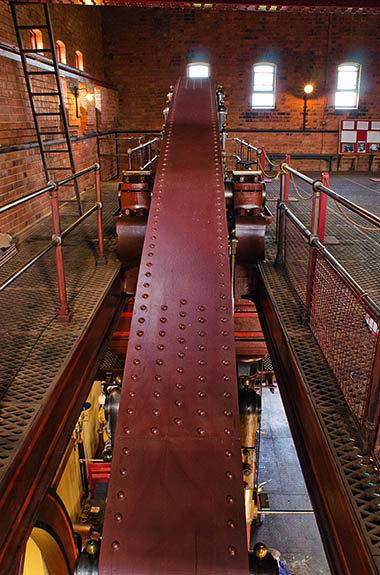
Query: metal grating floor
359,253
34,346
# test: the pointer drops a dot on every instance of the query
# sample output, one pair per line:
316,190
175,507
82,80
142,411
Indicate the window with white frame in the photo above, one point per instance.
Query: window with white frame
263,85
347,87
198,70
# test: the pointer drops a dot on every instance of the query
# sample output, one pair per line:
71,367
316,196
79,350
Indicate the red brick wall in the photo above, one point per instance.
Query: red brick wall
21,171
146,50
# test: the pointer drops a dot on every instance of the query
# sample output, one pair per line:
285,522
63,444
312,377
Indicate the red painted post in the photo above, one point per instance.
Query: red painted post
287,178
323,208
101,257
63,313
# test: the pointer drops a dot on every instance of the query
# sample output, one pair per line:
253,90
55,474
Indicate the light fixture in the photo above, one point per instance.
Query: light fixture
308,88
81,93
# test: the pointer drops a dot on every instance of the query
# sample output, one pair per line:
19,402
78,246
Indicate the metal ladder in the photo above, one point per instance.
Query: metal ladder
62,127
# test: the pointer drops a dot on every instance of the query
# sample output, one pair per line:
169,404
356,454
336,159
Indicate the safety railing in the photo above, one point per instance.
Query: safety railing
246,155
58,235
342,316
119,151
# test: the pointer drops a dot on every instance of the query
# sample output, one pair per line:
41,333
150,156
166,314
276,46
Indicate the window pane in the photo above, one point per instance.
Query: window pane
347,79
263,81
345,99
261,100
198,70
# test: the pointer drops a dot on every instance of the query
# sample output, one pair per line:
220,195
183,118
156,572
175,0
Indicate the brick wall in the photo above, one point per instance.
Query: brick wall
21,172
146,50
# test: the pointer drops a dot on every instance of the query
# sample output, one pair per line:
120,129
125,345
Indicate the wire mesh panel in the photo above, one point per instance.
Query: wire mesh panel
296,256
346,332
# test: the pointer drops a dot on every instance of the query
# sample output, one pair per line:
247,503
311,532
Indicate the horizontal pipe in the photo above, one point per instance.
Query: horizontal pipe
72,226
29,264
150,162
78,174
24,199
299,175
286,512
299,224
369,216
143,145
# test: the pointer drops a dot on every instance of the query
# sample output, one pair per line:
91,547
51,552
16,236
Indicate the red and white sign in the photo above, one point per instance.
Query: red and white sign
359,137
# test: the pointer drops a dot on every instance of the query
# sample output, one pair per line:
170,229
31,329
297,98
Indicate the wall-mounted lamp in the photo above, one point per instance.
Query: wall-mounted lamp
308,89
81,92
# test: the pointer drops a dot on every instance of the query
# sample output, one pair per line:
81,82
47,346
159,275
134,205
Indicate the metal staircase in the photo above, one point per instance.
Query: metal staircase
41,117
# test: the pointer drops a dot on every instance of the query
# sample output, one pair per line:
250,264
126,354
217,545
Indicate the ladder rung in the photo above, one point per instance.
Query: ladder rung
48,113
45,93
35,73
30,26
36,50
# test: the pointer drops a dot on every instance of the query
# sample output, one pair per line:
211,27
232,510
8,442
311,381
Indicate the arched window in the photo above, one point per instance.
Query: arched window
60,49
198,70
79,60
263,85
36,39
347,86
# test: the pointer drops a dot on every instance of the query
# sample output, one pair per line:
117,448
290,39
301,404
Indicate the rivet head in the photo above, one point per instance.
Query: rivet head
140,333
182,314
120,494
126,451
183,301
156,394
201,412
164,307
130,411
127,430
180,369
201,394
227,431
181,340
201,308
178,403
227,413
201,378
202,362
201,431
229,475
201,347
141,320
162,333
232,551
226,378
178,421
131,393
145,295
143,307
123,471
229,499
115,545
138,347
201,333
163,319
181,355
227,395
156,412
228,453
179,386
161,347
159,362
154,430
136,362
231,524
182,326
118,517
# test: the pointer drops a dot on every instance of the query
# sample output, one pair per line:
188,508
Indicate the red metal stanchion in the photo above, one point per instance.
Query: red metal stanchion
101,257
63,312
262,163
322,208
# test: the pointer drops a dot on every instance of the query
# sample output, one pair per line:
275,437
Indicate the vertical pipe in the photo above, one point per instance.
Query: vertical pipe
323,208
287,178
101,257
312,262
117,153
373,410
262,163
63,312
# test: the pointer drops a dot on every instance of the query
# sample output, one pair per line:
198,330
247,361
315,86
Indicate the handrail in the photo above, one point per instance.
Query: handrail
131,150
52,186
318,186
244,144
341,271
149,163
57,237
